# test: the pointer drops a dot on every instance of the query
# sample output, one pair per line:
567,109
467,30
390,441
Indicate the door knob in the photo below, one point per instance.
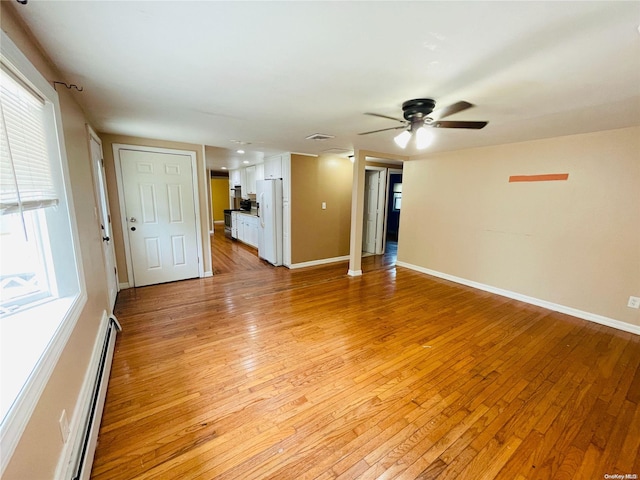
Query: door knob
105,239
133,219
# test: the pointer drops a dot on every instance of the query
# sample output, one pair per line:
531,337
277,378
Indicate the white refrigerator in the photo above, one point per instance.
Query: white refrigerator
269,198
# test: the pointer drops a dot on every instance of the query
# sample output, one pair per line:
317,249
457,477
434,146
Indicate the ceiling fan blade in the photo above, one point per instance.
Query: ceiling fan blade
383,130
458,124
386,116
451,109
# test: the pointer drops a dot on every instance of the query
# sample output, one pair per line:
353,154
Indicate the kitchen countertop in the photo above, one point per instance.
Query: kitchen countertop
252,213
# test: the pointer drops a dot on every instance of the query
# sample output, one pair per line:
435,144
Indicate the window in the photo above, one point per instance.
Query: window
25,256
41,286
397,196
26,188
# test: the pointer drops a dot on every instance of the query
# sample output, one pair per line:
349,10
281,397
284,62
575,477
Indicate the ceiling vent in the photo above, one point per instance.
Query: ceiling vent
319,136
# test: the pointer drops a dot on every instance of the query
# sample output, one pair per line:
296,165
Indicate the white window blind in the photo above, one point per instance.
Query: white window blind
25,174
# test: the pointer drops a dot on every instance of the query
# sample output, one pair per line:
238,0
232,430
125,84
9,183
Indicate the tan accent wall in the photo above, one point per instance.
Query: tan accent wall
318,234
575,243
40,446
107,146
219,197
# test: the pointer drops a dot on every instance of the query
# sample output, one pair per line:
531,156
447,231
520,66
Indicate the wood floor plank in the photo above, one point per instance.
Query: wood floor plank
263,372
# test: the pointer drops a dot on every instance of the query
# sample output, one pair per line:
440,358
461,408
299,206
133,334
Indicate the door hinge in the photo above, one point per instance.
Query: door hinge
109,218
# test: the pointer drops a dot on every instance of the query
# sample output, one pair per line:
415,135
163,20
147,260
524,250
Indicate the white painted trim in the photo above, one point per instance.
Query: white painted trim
76,427
123,219
302,154
390,171
124,285
322,261
207,274
20,413
197,204
354,273
110,250
574,312
287,209
210,220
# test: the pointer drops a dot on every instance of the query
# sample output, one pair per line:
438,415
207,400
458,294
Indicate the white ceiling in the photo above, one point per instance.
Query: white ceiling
272,73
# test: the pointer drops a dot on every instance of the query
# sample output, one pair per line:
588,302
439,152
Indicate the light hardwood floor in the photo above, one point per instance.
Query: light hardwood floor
267,373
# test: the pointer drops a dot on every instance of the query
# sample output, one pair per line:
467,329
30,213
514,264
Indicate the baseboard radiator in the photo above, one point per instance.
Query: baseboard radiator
89,437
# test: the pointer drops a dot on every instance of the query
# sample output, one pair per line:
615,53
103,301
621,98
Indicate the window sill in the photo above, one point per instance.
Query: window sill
31,343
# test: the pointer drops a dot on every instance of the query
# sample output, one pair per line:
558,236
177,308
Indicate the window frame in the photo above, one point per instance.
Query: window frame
33,220
68,307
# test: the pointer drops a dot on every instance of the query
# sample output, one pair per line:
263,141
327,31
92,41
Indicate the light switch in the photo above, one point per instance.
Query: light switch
324,205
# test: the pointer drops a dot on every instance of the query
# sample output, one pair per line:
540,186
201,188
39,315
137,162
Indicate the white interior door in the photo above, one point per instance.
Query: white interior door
104,216
370,218
160,214
381,212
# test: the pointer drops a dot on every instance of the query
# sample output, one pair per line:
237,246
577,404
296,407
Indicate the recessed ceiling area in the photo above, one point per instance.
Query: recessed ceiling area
220,159
263,76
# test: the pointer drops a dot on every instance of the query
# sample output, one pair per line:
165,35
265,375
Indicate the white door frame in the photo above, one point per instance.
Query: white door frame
390,171
98,187
210,202
125,228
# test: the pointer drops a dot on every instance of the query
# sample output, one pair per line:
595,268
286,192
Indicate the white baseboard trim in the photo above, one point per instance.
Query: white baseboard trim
76,426
354,273
322,261
207,274
123,285
574,312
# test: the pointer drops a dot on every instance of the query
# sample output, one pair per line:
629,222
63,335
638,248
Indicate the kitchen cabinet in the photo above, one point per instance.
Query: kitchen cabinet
234,225
250,181
234,178
243,183
273,167
246,179
244,227
251,230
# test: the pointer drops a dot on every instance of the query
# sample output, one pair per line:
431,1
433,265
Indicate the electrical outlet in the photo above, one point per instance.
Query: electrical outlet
64,426
634,302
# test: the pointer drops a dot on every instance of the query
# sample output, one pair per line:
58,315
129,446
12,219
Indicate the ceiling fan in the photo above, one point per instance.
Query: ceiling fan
416,118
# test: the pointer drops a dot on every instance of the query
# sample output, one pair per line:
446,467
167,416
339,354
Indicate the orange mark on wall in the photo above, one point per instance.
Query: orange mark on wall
539,178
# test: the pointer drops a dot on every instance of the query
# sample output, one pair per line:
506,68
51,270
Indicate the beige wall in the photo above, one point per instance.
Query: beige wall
40,447
107,146
315,233
219,197
575,243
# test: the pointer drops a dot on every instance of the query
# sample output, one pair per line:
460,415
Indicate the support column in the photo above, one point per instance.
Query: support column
357,212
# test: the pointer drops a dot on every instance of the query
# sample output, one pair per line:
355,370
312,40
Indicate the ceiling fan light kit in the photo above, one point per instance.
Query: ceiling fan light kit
403,139
423,138
416,118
